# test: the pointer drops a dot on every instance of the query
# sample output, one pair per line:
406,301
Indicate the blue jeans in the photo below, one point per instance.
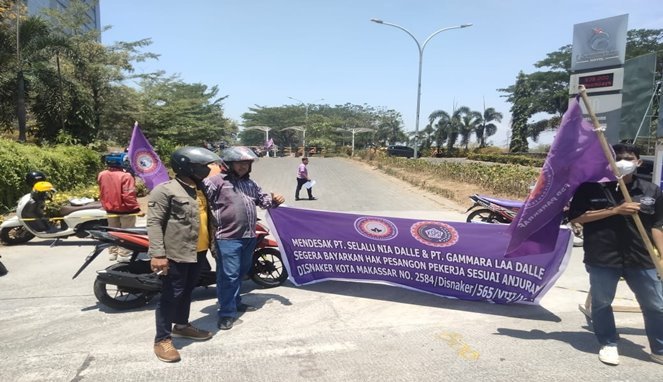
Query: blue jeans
235,262
648,290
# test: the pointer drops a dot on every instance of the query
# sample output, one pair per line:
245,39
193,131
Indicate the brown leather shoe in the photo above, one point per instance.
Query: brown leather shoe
191,332
166,352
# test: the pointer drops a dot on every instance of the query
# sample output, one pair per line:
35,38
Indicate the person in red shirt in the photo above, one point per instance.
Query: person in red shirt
117,193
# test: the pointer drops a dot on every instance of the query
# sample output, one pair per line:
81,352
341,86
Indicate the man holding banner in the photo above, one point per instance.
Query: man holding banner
614,249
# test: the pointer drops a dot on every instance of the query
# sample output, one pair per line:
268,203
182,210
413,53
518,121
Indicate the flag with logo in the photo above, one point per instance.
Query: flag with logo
144,160
575,157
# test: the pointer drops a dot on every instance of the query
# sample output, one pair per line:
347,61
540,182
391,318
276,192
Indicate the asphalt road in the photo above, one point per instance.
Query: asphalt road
53,329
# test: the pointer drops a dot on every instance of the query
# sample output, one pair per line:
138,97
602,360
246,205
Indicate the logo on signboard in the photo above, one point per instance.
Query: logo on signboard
436,234
376,228
600,40
145,162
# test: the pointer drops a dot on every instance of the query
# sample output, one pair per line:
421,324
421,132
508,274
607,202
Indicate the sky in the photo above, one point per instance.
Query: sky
261,52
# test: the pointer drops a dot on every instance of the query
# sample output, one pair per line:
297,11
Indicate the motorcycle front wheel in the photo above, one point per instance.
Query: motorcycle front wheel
485,215
121,298
268,268
15,235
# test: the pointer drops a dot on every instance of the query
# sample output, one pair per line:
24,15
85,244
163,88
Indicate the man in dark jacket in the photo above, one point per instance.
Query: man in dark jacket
177,224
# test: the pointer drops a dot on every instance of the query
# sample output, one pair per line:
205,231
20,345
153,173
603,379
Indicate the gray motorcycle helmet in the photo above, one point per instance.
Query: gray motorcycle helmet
191,162
238,154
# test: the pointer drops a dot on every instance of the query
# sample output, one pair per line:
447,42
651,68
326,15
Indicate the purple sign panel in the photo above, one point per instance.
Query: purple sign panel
450,259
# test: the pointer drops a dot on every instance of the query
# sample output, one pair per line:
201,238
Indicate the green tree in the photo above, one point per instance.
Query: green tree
468,122
26,70
486,128
183,113
440,121
91,71
549,87
520,112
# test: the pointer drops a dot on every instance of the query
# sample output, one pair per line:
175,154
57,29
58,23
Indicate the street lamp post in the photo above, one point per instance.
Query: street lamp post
355,130
303,128
421,48
266,129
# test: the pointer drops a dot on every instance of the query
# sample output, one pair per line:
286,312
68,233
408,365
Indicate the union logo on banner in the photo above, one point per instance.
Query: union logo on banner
147,163
435,234
376,228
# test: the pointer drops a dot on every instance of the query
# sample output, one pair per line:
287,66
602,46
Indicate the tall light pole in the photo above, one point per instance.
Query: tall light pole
300,128
421,48
303,130
355,130
263,128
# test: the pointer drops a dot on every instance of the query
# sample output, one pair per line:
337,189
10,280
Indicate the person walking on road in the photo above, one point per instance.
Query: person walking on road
302,179
233,198
177,224
614,249
117,193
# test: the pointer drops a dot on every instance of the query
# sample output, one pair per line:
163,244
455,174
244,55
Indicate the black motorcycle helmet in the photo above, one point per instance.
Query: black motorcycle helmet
33,177
191,162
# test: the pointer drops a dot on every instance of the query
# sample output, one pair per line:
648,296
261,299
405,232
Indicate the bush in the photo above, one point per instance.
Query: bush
509,159
505,179
67,167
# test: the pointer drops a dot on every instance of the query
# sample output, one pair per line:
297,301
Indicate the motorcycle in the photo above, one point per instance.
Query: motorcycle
30,220
131,285
487,209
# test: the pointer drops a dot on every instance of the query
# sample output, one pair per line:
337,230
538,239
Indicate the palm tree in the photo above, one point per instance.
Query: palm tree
37,48
486,127
440,120
468,122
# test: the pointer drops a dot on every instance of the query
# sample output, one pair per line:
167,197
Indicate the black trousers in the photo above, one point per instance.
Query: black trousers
175,302
300,183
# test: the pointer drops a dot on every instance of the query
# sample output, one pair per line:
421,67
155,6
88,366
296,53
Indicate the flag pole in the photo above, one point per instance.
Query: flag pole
655,256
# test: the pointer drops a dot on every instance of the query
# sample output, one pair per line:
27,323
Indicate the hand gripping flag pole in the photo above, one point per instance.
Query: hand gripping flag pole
655,256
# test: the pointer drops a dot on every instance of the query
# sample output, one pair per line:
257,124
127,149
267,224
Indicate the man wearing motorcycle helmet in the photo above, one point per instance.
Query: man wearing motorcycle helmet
33,177
117,193
177,225
233,198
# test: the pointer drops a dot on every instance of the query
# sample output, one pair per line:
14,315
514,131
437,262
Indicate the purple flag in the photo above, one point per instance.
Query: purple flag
451,259
144,161
269,144
575,157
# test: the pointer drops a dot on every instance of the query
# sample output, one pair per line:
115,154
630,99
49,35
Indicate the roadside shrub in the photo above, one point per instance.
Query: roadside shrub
505,179
509,159
67,167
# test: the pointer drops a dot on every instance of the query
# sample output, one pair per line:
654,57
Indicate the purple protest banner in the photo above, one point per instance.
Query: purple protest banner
575,157
451,259
144,161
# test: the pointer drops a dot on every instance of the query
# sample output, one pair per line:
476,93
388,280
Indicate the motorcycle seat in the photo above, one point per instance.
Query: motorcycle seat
504,202
66,210
134,230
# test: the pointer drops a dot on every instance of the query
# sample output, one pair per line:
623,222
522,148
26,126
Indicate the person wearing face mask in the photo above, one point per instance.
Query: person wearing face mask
179,231
233,197
614,249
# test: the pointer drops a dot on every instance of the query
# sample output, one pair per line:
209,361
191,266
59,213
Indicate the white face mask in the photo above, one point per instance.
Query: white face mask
626,167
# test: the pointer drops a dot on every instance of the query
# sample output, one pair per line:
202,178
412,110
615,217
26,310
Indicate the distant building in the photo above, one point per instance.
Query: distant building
35,8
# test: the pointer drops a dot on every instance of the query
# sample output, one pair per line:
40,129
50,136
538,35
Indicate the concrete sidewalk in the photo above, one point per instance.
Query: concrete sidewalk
53,329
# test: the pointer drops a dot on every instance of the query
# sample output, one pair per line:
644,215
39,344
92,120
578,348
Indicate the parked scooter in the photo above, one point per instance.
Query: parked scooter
30,220
487,209
131,285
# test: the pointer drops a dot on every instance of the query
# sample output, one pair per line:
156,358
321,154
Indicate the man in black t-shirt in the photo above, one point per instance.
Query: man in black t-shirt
614,249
